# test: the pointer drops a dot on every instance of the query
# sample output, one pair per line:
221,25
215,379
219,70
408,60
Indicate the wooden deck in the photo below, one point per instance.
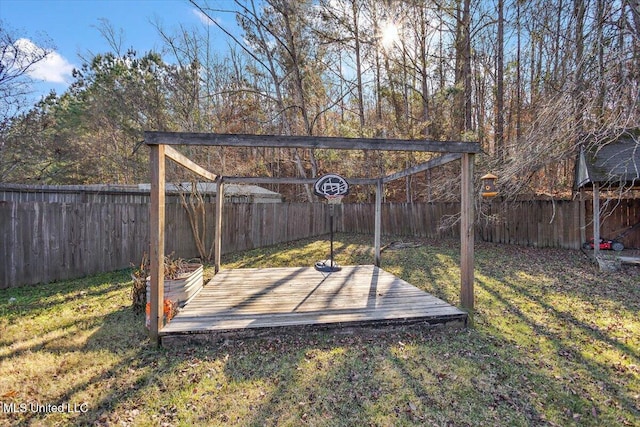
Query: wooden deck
263,299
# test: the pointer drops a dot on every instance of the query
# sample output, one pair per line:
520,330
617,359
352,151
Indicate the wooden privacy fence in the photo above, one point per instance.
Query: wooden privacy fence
43,242
557,223
404,219
537,223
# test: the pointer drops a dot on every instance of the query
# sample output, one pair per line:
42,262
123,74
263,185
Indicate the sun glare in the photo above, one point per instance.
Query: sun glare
389,34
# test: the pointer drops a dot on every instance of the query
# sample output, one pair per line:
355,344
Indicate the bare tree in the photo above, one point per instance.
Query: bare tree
18,57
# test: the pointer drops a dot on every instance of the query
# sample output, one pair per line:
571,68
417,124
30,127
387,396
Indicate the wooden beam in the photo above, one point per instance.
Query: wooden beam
288,141
378,222
157,212
438,161
467,234
184,161
217,248
266,180
286,180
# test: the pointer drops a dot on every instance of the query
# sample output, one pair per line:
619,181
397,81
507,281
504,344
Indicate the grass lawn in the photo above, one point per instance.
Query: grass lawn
553,342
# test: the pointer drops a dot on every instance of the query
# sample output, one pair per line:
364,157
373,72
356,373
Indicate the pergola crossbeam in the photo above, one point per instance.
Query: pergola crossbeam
285,180
183,160
433,163
319,142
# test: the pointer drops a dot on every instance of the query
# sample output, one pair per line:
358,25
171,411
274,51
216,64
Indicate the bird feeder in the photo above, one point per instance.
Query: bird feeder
489,189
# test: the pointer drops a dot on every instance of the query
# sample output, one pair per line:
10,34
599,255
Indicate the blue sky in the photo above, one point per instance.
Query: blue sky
71,28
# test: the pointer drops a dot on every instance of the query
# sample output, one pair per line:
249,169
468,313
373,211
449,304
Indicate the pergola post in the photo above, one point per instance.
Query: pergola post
378,221
467,234
217,248
156,252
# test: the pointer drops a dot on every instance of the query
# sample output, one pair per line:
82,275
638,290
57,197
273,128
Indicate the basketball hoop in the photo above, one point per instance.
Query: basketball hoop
334,199
333,188
331,185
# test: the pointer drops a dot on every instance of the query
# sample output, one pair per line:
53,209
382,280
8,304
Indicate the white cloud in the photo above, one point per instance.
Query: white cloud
203,17
53,68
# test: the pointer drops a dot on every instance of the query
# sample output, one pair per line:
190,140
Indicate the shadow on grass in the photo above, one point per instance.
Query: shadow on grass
328,379
397,377
530,333
119,349
523,364
78,347
32,300
40,308
349,249
50,339
464,375
433,271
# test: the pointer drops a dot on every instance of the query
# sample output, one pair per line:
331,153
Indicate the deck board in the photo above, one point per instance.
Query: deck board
253,298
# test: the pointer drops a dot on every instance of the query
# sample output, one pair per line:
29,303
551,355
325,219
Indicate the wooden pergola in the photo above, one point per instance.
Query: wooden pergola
161,144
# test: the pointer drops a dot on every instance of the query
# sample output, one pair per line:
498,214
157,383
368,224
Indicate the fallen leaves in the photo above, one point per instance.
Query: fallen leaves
10,394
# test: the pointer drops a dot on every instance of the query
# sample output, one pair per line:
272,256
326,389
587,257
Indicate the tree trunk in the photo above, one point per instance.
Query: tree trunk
462,98
499,132
579,83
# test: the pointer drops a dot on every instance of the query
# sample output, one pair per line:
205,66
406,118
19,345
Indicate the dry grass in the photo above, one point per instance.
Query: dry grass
554,342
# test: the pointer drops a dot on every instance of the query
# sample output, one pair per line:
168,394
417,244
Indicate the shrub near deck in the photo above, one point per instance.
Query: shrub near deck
554,343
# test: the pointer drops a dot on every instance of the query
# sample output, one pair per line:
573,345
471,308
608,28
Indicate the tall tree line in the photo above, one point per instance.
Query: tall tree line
528,80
